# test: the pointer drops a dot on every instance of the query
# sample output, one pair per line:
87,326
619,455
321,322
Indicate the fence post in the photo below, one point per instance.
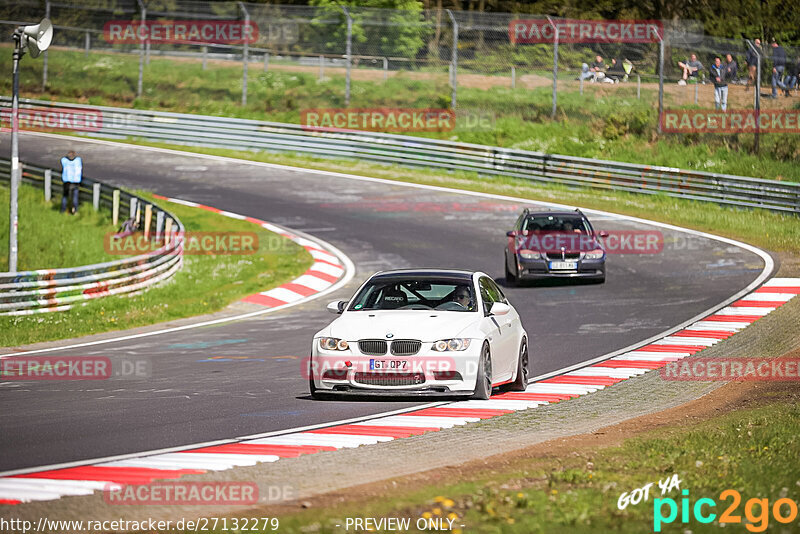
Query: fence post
581,82
245,54
757,96
115,207
132,211
321,67
696,91
48,185
96,196
454,60
168,232
143,11
638,87
205,57
349,54
266,61
555,68
514,77
385,68
44,59
660,81
159,225
148,219
87,40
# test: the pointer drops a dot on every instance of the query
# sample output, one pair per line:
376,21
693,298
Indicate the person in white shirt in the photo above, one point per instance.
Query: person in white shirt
71,176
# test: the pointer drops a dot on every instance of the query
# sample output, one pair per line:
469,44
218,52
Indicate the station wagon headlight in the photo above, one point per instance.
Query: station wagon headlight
455,344
529,254
332,343
595,254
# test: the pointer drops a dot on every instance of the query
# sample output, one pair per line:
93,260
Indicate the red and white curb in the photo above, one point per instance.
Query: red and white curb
326,270
693,338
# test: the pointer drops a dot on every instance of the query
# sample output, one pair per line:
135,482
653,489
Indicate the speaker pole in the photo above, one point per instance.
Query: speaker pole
15,174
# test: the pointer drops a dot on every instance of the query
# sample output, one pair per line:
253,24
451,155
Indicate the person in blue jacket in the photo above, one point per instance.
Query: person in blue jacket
71,176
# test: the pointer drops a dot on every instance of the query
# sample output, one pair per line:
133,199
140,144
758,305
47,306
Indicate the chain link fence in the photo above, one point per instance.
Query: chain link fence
445,56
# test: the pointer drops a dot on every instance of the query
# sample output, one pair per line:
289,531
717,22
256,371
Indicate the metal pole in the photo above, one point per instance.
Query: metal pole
555,68
696,90
44,59
454,60
266,61
660,82
205,57
349,54
143,11
757,96
321,67
245,54
13,214
385,68
638,87
86,44
581,77
514,78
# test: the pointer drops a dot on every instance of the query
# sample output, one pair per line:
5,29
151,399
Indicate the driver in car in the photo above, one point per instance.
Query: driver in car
462,296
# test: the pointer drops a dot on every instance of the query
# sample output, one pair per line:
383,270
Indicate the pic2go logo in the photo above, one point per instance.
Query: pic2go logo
757,511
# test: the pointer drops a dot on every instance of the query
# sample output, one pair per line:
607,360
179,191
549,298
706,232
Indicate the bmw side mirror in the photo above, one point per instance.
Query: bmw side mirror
337,306
500,308
603,234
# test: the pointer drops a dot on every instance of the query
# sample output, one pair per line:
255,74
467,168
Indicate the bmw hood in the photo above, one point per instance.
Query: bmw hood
424,325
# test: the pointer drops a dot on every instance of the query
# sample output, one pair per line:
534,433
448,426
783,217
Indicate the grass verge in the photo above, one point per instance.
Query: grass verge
48,239
205,284
750,451
762,228
606,123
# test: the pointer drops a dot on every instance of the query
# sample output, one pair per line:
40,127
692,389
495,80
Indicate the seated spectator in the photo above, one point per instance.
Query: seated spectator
691,69
615,72
792,78
594,71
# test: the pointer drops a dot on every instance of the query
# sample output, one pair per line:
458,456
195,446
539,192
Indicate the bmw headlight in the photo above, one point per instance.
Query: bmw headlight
529,254
455,344
595,254
332,343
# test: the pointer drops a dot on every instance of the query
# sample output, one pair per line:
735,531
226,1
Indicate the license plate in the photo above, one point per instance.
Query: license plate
395,365
563,265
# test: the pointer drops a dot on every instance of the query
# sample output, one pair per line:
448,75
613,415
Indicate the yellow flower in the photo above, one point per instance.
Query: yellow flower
452,516
520,495
438,499
426,515
448,503
510,520
554,492
437,511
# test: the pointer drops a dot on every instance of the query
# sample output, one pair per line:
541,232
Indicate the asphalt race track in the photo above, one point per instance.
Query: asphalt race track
245,377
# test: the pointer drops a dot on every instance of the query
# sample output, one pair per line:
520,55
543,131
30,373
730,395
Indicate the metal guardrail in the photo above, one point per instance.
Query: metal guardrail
46,290
244,134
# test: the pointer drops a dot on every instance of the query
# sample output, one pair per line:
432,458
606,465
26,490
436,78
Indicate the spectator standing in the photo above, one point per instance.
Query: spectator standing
71,176
720,84
691,67
778,66
752,63
731,68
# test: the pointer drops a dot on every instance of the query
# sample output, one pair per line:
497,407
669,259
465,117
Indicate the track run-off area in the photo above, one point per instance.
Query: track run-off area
233,381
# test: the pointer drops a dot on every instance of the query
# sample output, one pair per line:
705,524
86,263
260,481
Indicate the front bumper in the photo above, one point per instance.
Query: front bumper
426,373
540,269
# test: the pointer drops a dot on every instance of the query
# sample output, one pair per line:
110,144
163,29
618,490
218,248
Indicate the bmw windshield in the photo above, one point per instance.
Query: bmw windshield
416,294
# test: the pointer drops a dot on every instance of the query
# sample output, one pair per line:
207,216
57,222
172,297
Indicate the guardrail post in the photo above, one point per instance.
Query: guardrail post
96,196
48,185
348,54
245,54
132,207
205,57
385,68
148,219
115,207
454,61
87,40
514,78
159,225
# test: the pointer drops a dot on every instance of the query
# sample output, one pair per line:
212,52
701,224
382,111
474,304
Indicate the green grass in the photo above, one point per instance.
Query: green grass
762,228
752,451
600,124
205,284
48,239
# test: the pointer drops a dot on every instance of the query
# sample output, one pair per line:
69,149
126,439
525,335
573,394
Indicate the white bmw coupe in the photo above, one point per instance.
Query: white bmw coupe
421,332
